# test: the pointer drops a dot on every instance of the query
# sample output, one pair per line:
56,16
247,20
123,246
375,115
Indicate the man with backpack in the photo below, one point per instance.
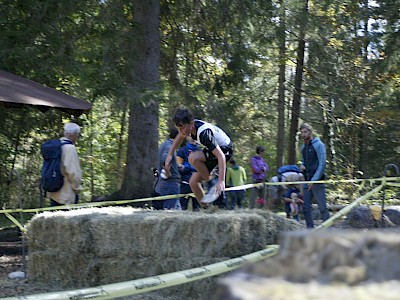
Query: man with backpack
64,191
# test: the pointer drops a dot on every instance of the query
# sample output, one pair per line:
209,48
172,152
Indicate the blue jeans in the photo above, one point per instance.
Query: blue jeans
236,198
167,187
317,192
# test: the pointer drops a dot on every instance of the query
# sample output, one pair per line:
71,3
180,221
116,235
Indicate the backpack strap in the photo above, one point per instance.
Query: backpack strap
66,142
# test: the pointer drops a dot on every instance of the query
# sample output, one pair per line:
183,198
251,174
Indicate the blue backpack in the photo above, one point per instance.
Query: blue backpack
52,180
287,168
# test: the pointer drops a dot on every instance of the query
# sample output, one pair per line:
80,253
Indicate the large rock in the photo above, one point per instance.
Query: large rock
393,214
361,217
323,264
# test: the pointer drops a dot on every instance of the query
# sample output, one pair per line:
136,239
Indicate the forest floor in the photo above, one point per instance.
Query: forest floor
11,260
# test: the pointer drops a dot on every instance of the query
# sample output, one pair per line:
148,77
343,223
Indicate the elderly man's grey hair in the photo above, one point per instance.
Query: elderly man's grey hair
71,128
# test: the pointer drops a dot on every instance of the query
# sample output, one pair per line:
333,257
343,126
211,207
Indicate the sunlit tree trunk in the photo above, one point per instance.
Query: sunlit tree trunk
331,137
121,147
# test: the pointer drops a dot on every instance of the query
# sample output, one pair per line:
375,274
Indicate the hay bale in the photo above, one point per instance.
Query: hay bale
161,234
274,225
89,247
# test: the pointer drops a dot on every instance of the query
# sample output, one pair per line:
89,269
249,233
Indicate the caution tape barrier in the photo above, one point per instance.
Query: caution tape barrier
133,287
15,221
236,188
345,210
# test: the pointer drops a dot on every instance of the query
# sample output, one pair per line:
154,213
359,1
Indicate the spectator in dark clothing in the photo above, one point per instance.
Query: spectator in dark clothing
169,182
186,170
313,168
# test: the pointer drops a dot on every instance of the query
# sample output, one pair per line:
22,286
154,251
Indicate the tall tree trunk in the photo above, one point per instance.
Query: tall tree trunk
142,89
91,167
332,158
280,146
363,127
121,142
298,80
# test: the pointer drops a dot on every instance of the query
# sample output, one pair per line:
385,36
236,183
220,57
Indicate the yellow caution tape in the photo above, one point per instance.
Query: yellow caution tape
133,287
92,204
344,211
242,187
15,221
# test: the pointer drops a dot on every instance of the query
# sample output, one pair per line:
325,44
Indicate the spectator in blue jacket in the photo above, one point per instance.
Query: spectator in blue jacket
259,169
169,182
186,170
313,167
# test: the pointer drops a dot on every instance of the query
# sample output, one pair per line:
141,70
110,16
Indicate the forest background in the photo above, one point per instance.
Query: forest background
257,69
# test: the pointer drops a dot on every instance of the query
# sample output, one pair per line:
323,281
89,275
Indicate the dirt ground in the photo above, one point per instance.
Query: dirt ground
11,260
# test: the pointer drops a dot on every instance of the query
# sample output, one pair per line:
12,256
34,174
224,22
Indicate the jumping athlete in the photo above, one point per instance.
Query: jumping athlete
218,149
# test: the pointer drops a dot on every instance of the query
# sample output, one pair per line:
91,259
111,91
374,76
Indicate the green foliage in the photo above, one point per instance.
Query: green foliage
220,59
102,149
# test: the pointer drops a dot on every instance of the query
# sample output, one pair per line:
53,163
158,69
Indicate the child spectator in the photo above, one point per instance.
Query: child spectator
236,176
292,203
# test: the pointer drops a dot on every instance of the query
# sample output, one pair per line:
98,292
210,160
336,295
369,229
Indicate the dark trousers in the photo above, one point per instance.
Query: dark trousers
55,203
185,189
317,192
236,198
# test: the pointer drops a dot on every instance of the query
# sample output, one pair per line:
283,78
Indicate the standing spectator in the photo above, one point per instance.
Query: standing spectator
186,170
169,182
218,150
259,169
313,167
237,175
70,169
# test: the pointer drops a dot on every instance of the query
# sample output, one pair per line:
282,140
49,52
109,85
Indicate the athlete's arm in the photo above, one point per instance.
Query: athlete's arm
177,141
